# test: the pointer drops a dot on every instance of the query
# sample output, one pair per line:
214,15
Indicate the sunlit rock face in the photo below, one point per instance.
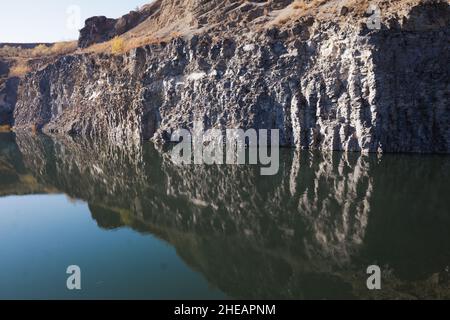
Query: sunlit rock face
100,29
325,85
317,224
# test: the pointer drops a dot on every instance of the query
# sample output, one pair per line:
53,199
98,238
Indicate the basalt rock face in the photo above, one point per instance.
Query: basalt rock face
324,85
100,29
96,30
81,95
8,98
8,94
4,68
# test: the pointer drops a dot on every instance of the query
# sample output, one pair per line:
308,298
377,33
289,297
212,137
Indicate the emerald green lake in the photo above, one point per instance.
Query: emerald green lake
140,227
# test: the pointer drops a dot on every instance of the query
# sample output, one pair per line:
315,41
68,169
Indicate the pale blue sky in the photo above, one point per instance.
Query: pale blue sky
53,20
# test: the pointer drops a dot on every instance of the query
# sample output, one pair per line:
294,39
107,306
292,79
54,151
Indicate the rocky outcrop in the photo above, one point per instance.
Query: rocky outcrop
100,29
85,96
8,98
96,30
8,94
324,84
4,69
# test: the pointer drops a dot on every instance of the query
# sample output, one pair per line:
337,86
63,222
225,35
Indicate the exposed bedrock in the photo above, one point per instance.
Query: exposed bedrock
8,94
100,29
324,85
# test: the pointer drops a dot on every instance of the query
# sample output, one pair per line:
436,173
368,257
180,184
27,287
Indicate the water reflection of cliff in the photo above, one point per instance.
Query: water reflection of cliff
308,232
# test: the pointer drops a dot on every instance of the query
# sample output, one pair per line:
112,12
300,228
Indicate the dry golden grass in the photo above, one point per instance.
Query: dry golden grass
117,45
121,45
137,42
34,129
59,48
63,48
39,51
326,8
299,5
20,57
283,21
19,69
306,5
321,9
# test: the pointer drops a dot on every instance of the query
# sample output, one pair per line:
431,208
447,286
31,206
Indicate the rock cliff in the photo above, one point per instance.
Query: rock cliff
100,29
326,82
8,94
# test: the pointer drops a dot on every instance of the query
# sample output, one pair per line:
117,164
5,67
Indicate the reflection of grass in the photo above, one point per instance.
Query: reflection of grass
5,128
30,181
20,184
125,216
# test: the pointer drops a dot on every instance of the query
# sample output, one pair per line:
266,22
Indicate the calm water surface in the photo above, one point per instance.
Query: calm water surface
141,227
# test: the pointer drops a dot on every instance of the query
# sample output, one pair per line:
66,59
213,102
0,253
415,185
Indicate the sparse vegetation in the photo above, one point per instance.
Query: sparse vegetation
283,21
120,45
20,68
299,5
62,48
42,50
21,57
117,45
155,31
5,128
34,129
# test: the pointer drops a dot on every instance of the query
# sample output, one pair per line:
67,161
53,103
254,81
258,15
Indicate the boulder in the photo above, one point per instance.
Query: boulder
96,30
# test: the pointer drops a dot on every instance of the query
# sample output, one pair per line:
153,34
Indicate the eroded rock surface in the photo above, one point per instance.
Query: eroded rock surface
324,84
100,29
8,94
318,224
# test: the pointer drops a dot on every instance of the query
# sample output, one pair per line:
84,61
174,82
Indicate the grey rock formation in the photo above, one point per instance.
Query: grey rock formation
96,30
8,98
8,94
325,85
100,29
4,69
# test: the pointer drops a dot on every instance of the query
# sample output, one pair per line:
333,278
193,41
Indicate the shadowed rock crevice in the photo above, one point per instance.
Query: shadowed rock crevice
8,99
8,94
